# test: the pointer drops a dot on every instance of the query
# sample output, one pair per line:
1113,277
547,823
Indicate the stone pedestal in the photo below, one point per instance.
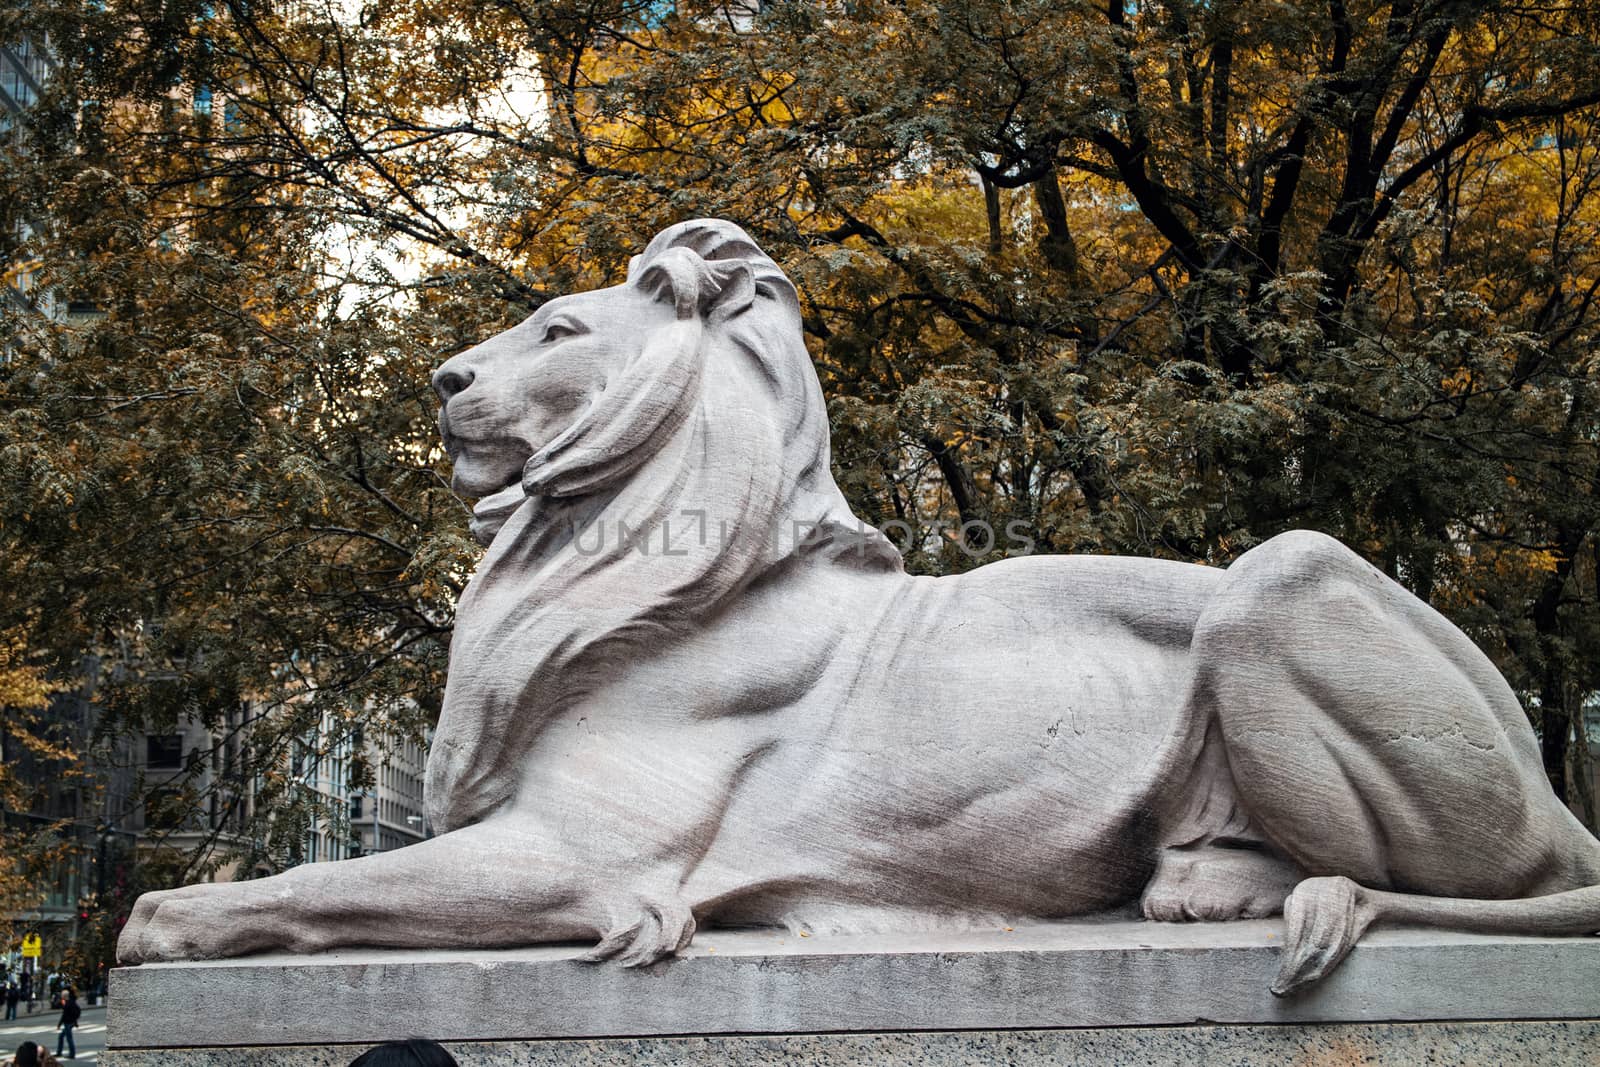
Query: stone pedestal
1037,994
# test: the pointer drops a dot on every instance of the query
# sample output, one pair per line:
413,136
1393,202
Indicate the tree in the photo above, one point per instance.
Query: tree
226,486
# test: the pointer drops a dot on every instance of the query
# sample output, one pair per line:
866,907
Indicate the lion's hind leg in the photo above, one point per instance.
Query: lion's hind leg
1368,737
1218,883
1380,750
1214,865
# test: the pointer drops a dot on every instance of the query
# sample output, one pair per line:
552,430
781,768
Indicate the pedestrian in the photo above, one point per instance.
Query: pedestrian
416,1052
13,994
30,1054
69,1019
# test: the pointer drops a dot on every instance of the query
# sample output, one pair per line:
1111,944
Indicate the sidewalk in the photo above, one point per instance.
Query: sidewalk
42,1007
41,1027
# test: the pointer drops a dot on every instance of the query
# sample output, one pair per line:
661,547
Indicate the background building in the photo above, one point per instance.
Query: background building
24,68
390,814
65,812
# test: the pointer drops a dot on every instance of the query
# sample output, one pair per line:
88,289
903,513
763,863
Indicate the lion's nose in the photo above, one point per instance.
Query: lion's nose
450,379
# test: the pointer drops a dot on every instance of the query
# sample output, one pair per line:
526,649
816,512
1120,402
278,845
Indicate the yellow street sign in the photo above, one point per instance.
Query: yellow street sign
32,946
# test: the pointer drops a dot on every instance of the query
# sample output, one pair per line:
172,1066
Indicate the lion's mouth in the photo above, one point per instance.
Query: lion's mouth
469,445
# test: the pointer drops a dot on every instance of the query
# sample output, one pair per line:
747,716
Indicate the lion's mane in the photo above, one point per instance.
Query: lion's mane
719,415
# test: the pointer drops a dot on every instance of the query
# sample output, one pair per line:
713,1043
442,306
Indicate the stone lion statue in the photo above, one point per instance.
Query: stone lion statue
663,710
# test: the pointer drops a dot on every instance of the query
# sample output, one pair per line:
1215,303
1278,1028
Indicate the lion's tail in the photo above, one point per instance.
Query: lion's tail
1325,917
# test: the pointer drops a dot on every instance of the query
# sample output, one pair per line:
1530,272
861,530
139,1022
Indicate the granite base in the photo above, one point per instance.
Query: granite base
1392,1044
1059,992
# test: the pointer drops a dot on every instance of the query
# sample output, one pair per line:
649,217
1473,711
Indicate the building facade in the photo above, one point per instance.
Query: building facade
24,69
389,814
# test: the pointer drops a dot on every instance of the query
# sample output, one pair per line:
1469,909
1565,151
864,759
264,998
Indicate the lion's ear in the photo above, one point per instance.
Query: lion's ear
693,286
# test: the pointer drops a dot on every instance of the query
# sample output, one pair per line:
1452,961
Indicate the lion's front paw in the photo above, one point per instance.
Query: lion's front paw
131,947
656,930
200,922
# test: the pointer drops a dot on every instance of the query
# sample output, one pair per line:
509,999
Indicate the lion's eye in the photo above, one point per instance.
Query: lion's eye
558,329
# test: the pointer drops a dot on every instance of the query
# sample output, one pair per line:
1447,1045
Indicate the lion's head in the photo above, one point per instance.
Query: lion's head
682,404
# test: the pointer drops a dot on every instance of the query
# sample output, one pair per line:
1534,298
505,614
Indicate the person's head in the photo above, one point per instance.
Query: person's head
28,1054
417,1052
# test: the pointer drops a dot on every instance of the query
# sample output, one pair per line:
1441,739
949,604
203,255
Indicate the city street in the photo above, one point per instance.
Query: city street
90,1034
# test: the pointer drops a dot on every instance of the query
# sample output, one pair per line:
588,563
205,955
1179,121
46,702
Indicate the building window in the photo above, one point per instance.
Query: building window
164,752
355,807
